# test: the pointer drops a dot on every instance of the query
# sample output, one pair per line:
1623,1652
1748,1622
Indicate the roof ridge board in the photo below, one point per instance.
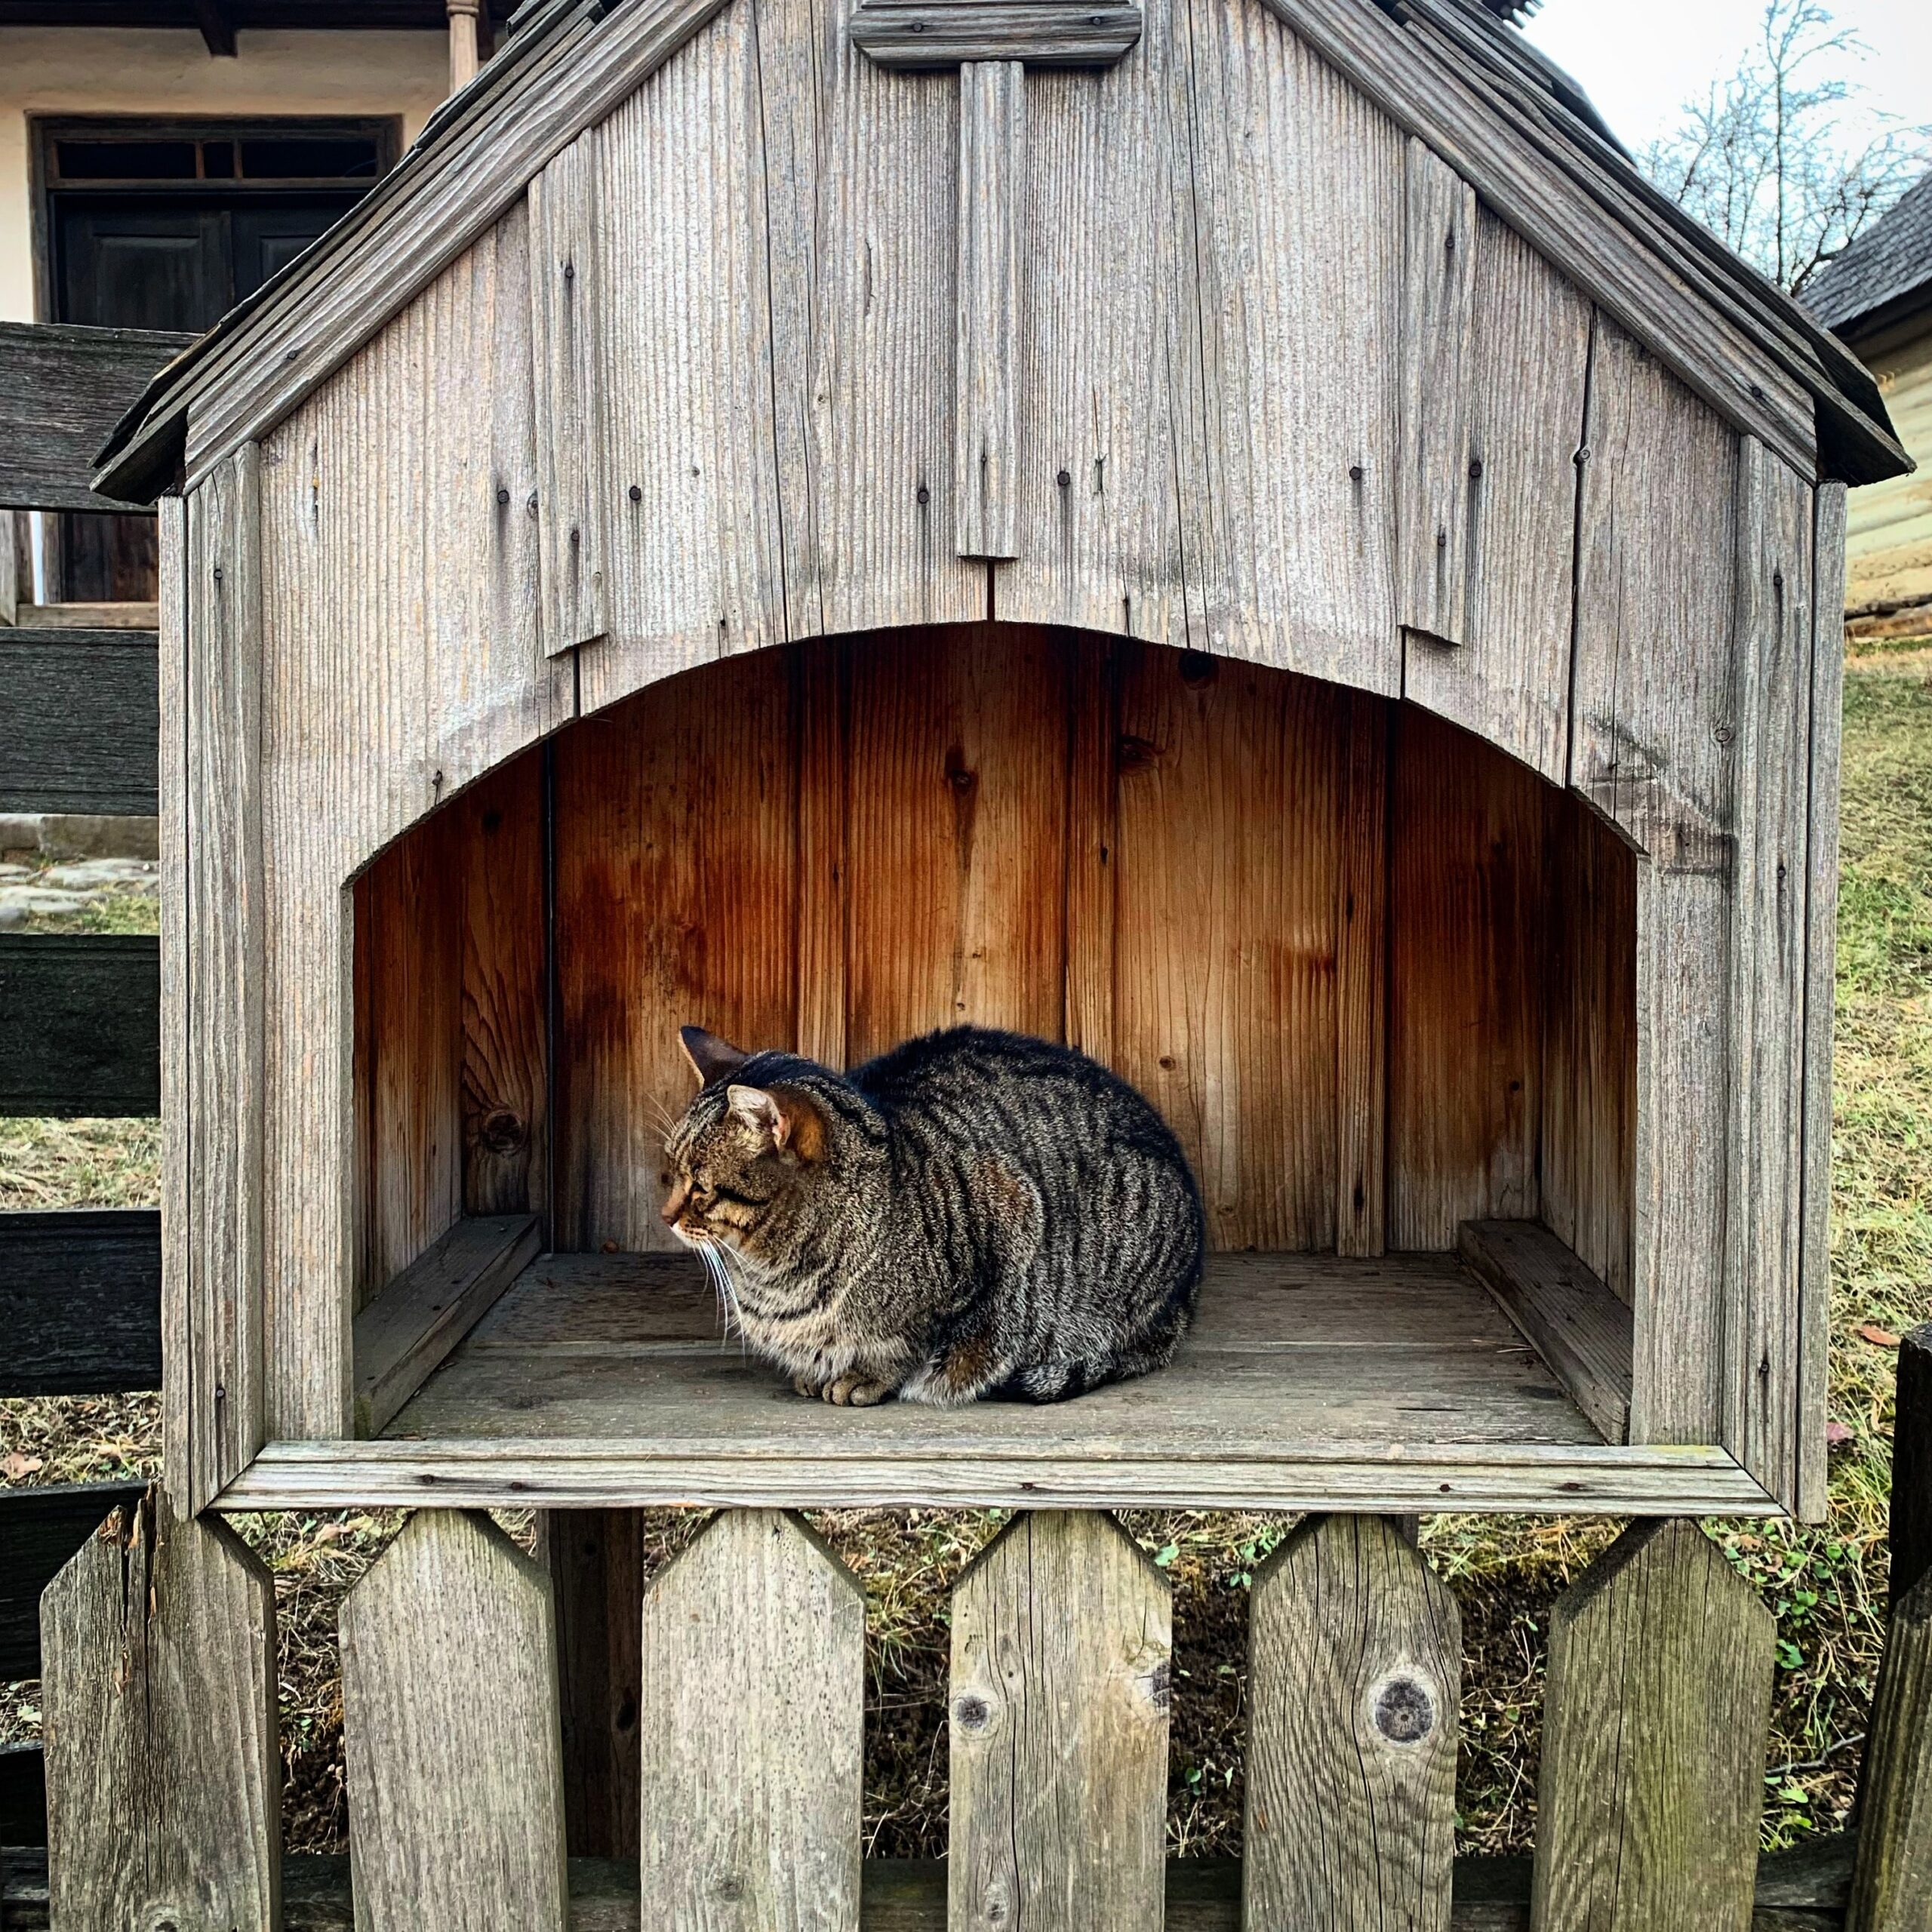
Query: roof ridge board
1395,69
1833,361
601,70
211,356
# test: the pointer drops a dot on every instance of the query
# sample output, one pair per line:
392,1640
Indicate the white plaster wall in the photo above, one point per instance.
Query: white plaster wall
117,70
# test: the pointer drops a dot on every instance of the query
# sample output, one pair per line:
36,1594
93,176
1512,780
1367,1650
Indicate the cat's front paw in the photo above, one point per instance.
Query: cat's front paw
856,1391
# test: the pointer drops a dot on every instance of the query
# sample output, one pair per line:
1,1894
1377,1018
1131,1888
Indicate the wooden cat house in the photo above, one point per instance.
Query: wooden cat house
1239,533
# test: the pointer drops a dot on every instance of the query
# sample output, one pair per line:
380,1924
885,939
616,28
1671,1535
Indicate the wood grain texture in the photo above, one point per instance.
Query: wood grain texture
1495,360
1769,941
406,1332
682,415
80,1300
228,914
912,34
1113,476
751,1722
1298,536
1058,1721
569,310
1821,873
177,1298
1653,748
823,703
1465,984
450,1734
1225,864
992,197
1362,979
596,1558
956,844
42,1528
1355,1669
1892,1889
1660,1669
95,1000
1566,1313
1588,968
1092,858
163,1771
82,721
676,884
505,1081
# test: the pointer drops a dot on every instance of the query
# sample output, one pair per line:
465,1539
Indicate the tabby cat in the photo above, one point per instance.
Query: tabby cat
974,1214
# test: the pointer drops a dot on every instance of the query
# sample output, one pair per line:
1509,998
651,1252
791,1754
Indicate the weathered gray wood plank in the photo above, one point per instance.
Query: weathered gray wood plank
80,1301
227,916
1570,1317
1354,1671
40,1530
916,34
177,1349
992,164
450,1734
406,1333
163,1772
750,1725
82,720
1821,872
95,1001
567,304
62,388
1659,1688
1058,1716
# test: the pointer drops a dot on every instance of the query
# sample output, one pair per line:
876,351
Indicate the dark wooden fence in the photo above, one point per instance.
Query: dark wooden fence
80,1292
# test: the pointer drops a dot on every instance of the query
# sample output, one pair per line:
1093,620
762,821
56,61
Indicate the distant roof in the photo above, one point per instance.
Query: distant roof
1889,267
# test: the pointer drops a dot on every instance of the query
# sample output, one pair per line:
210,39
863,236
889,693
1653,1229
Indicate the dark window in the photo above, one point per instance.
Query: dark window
126,160
309,160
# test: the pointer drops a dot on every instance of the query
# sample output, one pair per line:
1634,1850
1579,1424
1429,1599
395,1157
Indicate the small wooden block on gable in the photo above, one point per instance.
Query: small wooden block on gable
942,33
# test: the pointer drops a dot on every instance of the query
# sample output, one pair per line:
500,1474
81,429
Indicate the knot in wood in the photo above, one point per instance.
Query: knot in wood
1403,1708
1197,669
502,1131
971,1713
729,1886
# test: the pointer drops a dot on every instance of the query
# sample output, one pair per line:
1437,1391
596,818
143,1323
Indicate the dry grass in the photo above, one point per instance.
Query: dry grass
1826,1585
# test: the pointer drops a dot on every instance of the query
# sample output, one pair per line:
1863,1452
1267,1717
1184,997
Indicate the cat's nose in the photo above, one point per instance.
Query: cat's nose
674,1205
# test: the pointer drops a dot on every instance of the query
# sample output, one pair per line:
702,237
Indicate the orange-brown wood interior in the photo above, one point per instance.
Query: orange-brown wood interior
1381,978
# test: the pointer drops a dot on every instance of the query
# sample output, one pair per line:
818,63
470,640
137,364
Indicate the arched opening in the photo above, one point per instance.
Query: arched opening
1379,978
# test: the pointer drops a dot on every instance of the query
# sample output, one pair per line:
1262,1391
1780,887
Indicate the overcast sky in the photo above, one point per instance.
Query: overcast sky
1639,61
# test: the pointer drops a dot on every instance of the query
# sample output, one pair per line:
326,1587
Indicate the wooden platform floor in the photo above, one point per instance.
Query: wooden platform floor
1292,1355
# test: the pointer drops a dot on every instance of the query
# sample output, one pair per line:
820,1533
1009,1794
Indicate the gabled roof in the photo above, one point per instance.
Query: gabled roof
1451,71
1884,274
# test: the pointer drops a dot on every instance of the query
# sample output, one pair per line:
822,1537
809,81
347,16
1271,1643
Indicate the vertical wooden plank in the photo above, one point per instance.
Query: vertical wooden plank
1225,944
1298,539
1659,1688
409,944
687,367
1465,976
1362,979
1354,1667
568,308
993,165
164,1771
450,1734
1437,352
227,912
676,839
1652,749
1061,1658
596,1558
1112,476
491,688
956,844
177,1047
1828,573
1589,974
1769,941
881,394
1892,1884
1091,835
823,700
751,1723
1495,366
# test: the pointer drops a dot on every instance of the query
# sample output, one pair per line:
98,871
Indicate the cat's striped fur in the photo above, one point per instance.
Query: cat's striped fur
973,1214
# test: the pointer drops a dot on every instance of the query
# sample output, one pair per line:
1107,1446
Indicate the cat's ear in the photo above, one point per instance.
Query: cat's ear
710,1057
785,1117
